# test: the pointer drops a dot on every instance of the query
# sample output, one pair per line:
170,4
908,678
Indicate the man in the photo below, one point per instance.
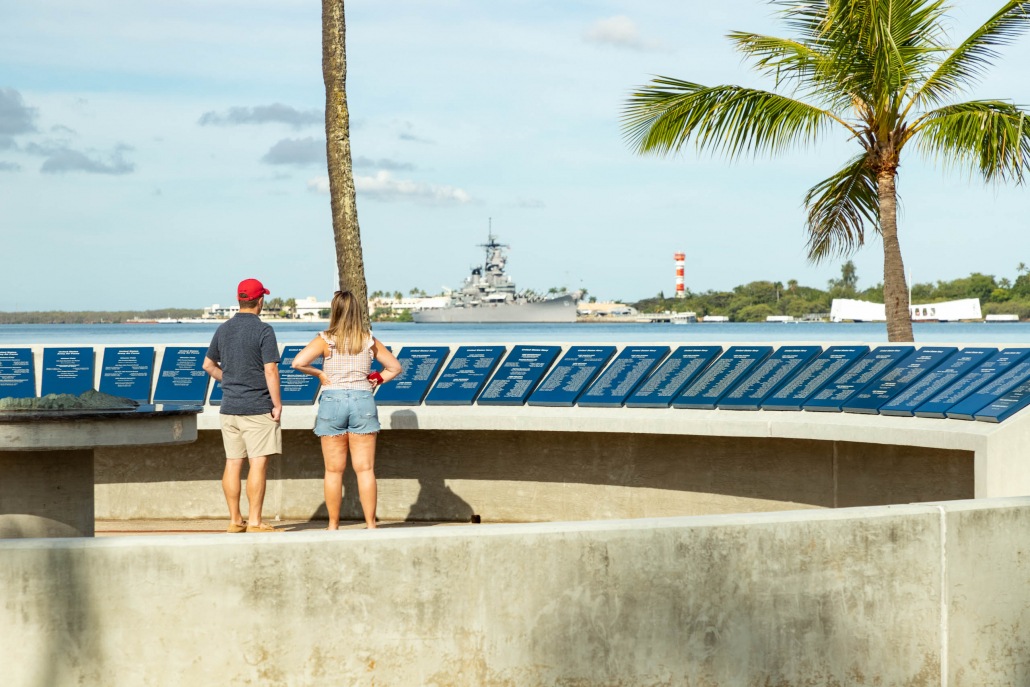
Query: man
244,356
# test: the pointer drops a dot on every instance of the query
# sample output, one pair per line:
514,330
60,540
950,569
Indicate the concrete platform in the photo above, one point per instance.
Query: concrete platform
128,528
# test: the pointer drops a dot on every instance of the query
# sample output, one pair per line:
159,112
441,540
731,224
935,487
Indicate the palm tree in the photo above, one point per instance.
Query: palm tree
346,234
879,72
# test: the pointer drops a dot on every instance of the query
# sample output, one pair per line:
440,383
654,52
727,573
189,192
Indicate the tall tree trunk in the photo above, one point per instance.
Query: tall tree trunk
346,234
895,288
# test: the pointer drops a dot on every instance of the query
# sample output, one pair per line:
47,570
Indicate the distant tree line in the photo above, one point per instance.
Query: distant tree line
755,301
95,316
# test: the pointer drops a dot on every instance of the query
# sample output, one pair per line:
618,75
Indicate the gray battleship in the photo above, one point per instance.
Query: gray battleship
489,295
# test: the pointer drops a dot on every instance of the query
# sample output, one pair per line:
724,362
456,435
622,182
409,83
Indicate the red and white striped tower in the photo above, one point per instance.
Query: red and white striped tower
680,258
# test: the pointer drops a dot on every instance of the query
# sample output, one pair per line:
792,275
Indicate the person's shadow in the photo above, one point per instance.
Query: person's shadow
436,501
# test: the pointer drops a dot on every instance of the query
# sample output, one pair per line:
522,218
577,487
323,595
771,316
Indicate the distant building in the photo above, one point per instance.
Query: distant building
310,308
848,310
409,303
218,312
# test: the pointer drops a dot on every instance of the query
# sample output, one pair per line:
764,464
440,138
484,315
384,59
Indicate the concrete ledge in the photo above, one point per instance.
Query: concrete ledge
892,596
34,435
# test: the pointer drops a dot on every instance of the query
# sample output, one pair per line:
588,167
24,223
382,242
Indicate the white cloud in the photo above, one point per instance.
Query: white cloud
60,158
296,151
263,114
15,116
619,31
384,187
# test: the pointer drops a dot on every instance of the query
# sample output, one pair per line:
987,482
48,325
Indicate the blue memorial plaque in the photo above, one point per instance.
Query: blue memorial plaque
571,375
518,375
972,380
128,372
297,388
897,379
17,373
938,379
1010,403
721,376
625,374
767,377
67,371
419,367
792,394
1001,384
679,369
215,398
833,395
182,378
465,375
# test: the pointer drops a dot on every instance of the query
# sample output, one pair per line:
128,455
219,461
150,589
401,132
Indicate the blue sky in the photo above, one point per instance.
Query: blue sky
152,154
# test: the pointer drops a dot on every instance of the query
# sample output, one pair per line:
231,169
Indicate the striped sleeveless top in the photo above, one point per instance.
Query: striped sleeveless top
346,370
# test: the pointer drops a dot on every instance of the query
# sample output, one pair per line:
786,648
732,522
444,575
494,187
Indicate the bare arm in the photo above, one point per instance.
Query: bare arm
272,379
391,366
314,350
213,369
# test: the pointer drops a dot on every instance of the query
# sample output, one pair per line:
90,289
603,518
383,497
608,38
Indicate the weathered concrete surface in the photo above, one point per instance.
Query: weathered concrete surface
847,597
47,464
46,494
988,575
520,476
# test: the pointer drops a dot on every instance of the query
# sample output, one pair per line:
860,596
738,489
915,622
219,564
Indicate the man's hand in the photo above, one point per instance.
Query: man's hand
277,412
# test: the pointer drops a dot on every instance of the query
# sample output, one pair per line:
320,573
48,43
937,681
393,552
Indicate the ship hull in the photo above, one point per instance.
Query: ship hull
562,309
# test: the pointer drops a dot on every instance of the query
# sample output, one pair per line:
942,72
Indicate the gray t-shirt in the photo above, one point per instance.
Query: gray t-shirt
242,346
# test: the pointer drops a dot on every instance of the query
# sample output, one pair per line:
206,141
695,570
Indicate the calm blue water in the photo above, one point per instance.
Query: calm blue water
618,333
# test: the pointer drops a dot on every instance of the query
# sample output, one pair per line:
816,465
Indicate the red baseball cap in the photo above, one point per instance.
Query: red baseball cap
251,290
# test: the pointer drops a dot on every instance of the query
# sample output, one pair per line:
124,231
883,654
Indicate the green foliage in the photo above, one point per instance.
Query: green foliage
754,301
385,314
755,313
96,316
879,73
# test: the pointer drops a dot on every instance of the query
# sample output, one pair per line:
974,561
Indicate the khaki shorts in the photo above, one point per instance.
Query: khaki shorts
247,436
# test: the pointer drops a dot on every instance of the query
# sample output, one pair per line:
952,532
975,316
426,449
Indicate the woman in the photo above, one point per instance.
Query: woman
347,417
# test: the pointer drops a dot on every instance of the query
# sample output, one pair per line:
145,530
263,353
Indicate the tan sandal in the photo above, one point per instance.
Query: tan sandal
263,527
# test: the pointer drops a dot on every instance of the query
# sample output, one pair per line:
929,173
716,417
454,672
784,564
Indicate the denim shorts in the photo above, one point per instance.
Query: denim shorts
346,411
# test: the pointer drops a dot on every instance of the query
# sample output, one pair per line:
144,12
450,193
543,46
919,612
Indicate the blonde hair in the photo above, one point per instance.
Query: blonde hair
346,323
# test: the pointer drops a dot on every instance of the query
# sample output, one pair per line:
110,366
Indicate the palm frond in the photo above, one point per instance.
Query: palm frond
839,209
662,116
992,136
887,45
970,60
783,59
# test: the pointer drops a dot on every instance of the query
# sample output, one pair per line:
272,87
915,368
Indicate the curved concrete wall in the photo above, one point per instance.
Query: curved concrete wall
532,476
916,595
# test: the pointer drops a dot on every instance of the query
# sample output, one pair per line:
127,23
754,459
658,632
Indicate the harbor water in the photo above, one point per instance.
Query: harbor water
399,334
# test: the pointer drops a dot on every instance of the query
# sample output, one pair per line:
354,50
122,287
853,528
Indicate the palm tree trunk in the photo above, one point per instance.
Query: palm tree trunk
895,288
346,234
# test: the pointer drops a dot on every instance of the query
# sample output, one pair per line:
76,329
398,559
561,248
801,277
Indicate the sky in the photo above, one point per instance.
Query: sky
153,154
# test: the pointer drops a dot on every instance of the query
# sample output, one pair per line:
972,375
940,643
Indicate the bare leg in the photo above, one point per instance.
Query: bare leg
256,489
334,453
231,488
363,458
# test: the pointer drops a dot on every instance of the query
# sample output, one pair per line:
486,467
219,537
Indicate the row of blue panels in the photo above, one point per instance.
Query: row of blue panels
985,384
